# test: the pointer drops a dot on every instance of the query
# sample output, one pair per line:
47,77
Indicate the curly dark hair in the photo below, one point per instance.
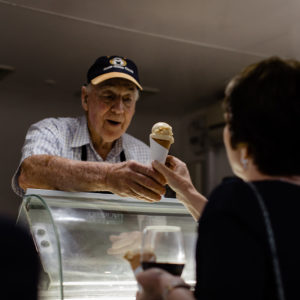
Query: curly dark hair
262,105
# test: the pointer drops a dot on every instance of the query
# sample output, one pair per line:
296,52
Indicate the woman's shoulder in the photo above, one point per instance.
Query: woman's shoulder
232,201
228,191
232,198
235,195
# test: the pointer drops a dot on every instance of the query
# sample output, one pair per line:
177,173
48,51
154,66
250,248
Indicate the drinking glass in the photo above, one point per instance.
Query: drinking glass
162,247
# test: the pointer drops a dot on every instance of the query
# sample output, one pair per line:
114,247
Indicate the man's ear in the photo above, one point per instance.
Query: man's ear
84,98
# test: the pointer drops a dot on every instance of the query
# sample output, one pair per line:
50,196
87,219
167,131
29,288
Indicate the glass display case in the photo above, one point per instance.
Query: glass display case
81,239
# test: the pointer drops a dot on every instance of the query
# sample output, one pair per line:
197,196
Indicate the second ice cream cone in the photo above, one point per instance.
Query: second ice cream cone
134,258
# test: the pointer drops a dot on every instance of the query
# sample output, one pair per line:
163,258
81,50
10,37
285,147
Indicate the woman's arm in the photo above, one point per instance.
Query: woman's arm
178,178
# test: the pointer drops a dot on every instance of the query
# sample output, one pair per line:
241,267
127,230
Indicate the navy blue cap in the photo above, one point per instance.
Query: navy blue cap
107,67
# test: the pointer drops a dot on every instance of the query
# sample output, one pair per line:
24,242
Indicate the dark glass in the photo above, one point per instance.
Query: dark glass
175,269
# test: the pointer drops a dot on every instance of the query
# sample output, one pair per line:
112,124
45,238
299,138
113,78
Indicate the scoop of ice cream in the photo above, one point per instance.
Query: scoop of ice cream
162,131
134,258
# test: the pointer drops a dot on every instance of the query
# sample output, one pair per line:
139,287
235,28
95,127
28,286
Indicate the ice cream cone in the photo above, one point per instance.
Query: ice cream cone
165,143
134,258
161,138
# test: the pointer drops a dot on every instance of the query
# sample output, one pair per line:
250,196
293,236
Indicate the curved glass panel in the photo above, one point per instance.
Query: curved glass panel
36,216
95,230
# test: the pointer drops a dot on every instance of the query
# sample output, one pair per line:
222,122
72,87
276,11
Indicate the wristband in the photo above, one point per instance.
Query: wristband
174,285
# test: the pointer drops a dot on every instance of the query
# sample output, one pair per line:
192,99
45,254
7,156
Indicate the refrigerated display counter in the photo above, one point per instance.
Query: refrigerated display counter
81,239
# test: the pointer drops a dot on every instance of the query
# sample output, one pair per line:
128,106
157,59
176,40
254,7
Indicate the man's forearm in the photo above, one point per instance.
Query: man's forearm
58,173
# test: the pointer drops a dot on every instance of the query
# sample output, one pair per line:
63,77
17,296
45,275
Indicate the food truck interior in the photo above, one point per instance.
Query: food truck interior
186,53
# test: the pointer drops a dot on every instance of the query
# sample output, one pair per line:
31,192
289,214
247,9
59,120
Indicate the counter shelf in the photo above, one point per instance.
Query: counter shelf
72,234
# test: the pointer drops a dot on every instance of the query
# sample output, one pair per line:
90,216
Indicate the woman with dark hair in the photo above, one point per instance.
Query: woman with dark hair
247,244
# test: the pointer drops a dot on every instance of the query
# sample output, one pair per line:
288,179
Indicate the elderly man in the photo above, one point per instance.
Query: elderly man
93,152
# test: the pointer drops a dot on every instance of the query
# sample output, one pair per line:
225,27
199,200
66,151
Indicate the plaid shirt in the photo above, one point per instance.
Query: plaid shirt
65,137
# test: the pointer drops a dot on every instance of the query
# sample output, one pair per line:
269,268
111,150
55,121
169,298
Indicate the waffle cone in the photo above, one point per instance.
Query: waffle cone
165,143
134,258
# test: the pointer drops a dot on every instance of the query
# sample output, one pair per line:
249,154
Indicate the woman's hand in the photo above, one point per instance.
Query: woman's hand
176,173
158,284
178,177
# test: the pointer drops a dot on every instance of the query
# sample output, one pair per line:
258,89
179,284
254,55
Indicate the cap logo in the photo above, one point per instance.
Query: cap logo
118,61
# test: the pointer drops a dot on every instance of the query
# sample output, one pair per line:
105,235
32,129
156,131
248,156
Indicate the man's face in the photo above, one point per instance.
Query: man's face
110,107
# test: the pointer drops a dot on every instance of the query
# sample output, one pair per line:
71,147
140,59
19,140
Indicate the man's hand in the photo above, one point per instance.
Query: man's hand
132,179
127,179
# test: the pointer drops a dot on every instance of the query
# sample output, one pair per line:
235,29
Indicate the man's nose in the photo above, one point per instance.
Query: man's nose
118,105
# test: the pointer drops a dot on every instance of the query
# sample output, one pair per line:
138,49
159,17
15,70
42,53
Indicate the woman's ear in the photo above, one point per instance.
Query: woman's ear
84,98
244,156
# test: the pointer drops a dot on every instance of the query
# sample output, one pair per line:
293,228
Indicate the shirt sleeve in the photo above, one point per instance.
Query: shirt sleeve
42,137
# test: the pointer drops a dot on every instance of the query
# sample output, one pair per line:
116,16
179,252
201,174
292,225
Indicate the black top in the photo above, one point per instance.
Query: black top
84,154
233,256
19,270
